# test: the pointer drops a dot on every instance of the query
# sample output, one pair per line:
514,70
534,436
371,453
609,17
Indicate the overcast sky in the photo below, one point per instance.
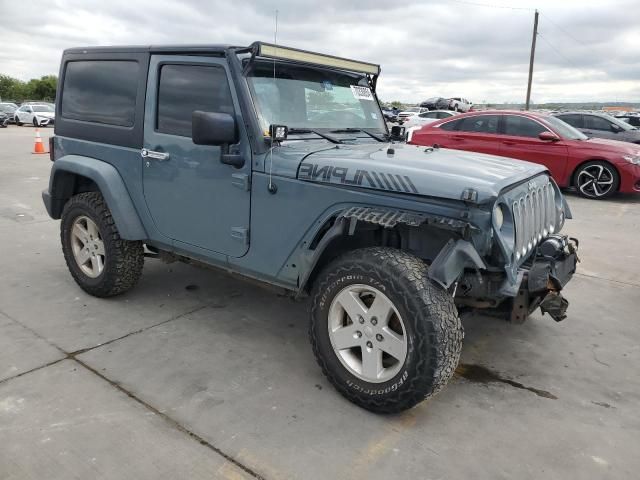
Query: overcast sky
588,50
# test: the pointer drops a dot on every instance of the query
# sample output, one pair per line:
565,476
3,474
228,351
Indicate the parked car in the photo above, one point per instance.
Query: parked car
601,125
404,115
417,121
435,103
9,110
596,167
428,117
459,104
40,115
390,115
203,154
630,118
4,119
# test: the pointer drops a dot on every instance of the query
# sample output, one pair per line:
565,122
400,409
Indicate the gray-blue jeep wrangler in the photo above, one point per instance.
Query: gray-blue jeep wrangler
276,163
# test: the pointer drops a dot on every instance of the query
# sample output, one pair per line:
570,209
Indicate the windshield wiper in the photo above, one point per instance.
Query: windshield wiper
354,130
331,138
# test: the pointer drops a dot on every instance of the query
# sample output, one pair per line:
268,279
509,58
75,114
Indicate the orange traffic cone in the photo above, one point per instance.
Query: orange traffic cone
38,147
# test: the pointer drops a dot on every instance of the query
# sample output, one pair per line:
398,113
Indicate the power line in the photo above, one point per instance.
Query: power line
504,7
562,29
557,51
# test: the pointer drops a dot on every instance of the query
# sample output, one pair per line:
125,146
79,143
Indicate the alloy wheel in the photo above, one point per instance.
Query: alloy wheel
367,333
595,180
88,247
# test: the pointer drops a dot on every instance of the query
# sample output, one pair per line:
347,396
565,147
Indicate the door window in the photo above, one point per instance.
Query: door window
575,120
452,125
594,122
522,127
186,88
480,124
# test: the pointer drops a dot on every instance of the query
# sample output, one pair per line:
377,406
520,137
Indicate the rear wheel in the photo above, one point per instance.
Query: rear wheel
384,335
596,179
102,263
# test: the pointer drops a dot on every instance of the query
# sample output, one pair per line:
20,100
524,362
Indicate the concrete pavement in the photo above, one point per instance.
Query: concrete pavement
195,374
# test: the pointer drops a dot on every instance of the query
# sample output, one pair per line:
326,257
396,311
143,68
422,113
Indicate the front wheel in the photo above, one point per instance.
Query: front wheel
18,122
596,179
383,333
101,263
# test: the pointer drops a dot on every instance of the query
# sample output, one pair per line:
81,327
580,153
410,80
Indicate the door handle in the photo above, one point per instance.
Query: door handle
459,138
508,143
150,154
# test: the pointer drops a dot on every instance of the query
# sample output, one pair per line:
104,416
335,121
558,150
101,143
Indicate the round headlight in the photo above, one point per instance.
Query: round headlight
498,216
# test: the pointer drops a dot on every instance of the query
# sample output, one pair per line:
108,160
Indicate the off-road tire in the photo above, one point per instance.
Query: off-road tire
124,259
433,328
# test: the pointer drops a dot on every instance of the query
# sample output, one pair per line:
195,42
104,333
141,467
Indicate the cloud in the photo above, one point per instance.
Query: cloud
589,50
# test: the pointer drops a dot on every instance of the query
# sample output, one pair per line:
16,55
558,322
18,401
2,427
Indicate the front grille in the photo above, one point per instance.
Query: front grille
534,218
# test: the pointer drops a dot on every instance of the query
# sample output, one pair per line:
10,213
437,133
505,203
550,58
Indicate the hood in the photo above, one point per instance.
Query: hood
613,146
414,170
44,114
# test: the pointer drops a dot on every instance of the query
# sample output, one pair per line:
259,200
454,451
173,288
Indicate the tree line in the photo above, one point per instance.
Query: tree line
16,90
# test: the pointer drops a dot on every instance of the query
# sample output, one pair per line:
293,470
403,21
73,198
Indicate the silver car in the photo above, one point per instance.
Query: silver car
601,125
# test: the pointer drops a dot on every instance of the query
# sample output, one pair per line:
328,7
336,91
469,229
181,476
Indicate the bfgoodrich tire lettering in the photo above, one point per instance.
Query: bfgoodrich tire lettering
431,325
123,259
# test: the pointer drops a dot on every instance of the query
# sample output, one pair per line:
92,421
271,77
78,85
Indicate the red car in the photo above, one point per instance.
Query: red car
596,167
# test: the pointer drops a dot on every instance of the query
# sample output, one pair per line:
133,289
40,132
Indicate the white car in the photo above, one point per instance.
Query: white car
40,115
417,121
459,104
410,112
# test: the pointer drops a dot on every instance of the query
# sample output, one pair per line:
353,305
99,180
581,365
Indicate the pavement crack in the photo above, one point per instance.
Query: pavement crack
174,423
596,277
480,374
35,369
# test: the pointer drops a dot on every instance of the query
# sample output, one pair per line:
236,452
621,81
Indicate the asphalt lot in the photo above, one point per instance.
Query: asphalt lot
195,374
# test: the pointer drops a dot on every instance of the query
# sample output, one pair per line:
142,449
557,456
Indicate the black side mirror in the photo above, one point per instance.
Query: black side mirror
210,128
616,128
397,133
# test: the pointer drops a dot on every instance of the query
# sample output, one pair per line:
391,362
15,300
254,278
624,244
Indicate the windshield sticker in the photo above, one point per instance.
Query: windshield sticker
361,93
327,85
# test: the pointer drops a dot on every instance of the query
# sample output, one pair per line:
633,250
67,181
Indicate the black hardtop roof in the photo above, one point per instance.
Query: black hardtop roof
215,48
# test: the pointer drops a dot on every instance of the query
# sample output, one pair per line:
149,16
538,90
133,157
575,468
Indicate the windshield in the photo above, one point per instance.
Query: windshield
620,123
7,108
42,108
565,130
302,96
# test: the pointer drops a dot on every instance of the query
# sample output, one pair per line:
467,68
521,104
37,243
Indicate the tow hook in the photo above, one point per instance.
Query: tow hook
554,303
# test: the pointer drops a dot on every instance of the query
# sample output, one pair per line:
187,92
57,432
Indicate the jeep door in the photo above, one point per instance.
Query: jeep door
192,197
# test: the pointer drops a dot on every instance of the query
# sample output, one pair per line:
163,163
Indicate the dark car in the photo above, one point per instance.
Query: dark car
436,103
630,118
390,115
601,125
9,110
4,119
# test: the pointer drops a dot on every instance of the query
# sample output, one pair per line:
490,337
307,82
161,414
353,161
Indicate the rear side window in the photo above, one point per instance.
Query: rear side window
452,125
480,124
101,91
185,88
522,127
572,119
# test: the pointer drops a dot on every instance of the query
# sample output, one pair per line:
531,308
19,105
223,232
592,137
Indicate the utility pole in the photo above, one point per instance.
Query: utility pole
533,54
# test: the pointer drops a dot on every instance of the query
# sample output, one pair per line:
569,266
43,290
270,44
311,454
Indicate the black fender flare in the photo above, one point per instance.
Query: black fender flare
110,184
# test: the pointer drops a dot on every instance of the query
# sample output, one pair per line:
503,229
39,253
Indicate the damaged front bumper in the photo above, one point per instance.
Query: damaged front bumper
539,284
